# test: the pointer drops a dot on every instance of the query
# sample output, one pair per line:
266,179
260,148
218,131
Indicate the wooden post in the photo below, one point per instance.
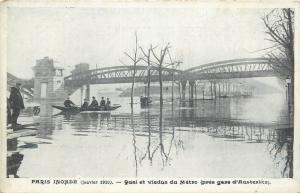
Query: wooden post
183,85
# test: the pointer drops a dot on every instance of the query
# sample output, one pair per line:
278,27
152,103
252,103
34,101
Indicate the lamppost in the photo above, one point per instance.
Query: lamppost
288,84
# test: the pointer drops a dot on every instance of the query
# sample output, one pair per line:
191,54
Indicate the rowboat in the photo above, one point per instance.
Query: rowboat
67,109
75,109
100,109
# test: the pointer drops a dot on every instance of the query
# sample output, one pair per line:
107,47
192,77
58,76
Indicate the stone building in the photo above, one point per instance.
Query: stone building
48,80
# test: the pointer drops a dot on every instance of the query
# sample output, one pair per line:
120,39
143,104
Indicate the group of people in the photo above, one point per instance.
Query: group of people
15,104
94,104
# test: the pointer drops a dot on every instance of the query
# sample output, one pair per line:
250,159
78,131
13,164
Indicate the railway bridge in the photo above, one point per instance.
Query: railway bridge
83,77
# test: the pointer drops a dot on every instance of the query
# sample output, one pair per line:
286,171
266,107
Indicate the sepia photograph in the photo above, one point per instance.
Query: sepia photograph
149,92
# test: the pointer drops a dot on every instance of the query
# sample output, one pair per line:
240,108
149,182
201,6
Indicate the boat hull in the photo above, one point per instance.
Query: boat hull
88,110
67,109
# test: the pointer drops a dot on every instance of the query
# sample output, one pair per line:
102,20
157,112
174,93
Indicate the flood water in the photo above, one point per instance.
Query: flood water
227,137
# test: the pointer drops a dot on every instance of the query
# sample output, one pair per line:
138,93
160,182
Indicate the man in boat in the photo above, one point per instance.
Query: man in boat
102,103
107,106
16,102
85,105
68,103
94,102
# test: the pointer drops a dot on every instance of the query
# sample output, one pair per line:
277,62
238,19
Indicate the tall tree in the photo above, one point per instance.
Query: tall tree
279,25
280,30
135,60
159,64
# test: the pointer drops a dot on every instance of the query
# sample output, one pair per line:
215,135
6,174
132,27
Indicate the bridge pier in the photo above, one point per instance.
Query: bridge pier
228,88
203,92
81,94
84,92
219,91
87,92
222,86
211,90
48,81
192,85
195,90
183,86
215,89
234,89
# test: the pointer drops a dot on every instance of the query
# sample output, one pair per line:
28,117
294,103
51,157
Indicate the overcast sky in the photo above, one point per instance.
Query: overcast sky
100,36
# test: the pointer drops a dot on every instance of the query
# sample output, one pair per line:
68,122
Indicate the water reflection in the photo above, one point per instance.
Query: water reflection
165,142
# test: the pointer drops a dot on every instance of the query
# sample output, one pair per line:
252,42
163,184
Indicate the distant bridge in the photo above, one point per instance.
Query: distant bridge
228,69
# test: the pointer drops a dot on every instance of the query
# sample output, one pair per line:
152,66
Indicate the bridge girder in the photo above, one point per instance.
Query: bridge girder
225,63
119,74
239,68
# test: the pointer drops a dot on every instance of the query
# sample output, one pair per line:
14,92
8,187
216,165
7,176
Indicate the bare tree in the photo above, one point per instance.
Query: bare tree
173,63
148,61
134,60
280,30
159,64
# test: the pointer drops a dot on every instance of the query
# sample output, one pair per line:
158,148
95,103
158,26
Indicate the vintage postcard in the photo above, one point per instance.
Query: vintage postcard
145,96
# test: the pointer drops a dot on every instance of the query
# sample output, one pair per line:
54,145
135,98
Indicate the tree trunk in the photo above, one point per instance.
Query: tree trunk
132,85
160,95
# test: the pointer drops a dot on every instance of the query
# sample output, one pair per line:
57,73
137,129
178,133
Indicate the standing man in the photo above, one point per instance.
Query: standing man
16,102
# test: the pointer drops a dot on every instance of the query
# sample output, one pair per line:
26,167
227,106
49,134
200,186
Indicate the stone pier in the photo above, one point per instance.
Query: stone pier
48,81
183,86
192,85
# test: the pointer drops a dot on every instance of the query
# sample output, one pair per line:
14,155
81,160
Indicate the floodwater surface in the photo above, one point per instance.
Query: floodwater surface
227,137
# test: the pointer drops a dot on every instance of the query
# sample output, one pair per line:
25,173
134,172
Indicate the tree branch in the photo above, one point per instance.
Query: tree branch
129,56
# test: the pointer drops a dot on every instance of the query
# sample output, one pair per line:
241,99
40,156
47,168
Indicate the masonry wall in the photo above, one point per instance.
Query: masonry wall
45,72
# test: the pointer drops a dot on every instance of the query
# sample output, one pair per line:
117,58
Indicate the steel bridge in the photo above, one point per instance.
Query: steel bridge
120,74
228,69
238,68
